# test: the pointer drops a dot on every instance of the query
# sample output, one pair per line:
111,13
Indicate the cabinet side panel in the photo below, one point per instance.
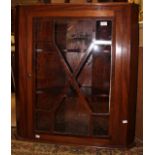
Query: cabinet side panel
122,77
116,95
133,73
125,58
21,100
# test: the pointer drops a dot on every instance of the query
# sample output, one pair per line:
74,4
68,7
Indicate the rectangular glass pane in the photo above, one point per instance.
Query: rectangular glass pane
100,126
73,70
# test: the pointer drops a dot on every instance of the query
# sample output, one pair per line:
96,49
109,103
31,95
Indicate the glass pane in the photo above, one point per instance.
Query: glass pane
70,119
73,67
43,121
100,125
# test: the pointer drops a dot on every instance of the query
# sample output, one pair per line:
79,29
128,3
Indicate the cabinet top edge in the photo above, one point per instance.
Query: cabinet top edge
78,4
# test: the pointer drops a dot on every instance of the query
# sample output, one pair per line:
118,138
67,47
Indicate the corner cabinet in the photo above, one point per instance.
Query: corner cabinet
77,73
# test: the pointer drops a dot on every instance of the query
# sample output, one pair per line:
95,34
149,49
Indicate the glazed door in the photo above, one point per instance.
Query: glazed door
73,69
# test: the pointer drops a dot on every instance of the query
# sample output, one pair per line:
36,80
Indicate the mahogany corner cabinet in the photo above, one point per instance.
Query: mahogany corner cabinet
77,73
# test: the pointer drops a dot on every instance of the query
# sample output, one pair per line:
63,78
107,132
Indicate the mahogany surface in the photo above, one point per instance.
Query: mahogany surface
67,91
